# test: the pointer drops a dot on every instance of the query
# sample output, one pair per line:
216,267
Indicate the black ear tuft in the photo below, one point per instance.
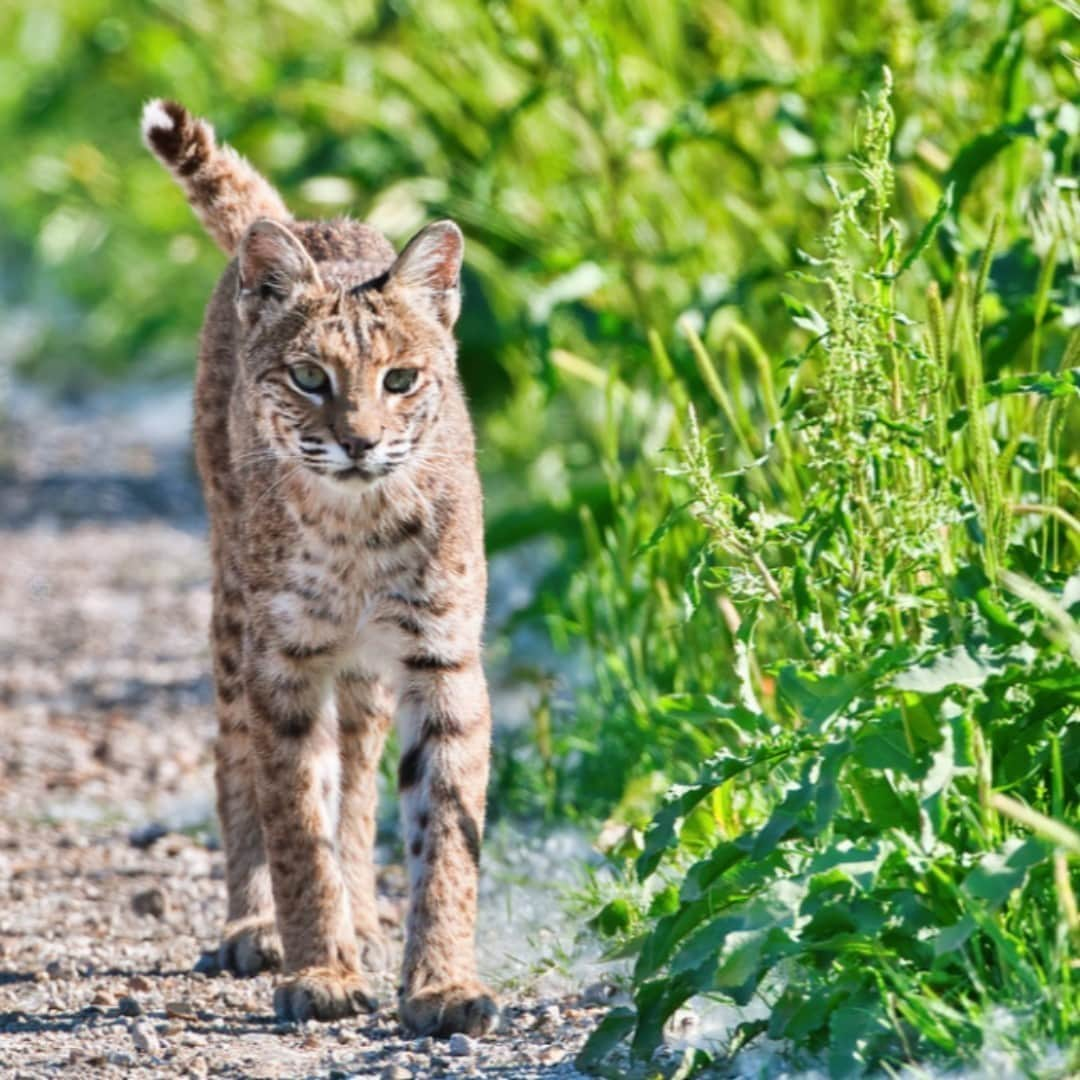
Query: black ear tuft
430,268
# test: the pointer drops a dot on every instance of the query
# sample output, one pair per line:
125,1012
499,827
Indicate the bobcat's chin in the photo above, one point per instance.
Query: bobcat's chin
360,474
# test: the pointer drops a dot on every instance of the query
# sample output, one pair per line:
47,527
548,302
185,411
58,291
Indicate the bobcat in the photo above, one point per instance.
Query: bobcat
338,465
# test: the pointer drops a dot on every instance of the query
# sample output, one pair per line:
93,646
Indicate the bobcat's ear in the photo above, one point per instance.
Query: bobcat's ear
430,269
272,263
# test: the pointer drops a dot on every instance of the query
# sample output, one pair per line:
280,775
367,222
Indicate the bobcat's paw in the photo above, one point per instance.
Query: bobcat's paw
323,994
250,947
466,1007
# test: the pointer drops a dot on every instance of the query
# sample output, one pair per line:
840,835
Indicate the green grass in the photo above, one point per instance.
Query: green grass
902,649
799,423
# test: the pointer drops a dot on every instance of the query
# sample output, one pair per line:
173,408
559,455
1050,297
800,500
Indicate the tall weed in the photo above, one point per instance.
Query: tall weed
883,842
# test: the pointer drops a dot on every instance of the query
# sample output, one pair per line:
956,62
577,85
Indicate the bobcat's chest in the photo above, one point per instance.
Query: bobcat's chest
349,600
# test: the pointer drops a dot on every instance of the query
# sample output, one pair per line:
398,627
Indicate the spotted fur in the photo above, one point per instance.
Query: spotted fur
349,583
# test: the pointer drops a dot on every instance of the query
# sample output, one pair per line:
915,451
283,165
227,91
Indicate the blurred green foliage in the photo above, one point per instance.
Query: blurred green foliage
613,164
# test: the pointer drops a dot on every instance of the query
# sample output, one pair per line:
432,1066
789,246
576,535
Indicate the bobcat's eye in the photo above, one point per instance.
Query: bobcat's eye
399,380
310,378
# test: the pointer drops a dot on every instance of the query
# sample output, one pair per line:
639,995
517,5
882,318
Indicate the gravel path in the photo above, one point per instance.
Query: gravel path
110,877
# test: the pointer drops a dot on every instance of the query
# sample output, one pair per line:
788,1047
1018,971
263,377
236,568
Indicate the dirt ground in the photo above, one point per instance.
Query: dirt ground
110,878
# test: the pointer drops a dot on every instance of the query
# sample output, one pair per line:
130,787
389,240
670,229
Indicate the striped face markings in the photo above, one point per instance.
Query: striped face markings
356,393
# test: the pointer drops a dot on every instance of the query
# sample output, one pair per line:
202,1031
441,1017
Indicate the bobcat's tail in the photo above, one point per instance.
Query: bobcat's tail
223,189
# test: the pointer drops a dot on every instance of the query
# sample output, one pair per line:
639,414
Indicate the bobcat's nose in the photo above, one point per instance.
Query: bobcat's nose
358,445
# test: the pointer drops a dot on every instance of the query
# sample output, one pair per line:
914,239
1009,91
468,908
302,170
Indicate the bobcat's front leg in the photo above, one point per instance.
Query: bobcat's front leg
250,941
364,712
295,740
445,737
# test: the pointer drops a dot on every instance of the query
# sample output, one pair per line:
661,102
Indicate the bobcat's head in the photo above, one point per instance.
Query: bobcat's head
348,372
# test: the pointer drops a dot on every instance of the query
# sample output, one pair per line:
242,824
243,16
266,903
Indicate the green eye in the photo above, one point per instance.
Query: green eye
399,380
310,378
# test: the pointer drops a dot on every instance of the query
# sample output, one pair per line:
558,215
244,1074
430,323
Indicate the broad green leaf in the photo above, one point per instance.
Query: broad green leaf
613,918
858,1031
955,668
859,865
978,153
952,937
820,698
883,745
681,800
665,902
666,935
611,1031
999,873
816,792
656,1001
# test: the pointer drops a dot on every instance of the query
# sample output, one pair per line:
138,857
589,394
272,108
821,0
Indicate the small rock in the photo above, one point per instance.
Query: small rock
147,836
549,1016
597,993
129,1006
198,1067
144,1037
207,964
59,969
149,902
103,998
120,1057
395,1072
140,984
682,1025
181,1010
461,1045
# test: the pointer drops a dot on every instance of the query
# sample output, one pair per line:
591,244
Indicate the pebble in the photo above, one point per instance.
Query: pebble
207,964
181,1010
461,1045
140,984
198,1067
597,993
129,1006
144,1037
149,902
395,1072
549,1016
147,835
103,998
